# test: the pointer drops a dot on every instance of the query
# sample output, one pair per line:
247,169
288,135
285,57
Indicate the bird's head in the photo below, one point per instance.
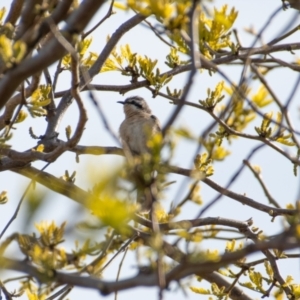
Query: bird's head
135,105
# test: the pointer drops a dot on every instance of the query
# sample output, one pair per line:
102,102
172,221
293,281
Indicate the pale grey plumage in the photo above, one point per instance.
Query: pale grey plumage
138,127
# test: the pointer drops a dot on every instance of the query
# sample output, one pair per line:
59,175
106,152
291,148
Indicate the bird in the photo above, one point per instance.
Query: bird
138,127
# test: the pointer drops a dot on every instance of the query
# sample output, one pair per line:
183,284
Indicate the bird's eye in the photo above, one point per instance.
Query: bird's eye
136,104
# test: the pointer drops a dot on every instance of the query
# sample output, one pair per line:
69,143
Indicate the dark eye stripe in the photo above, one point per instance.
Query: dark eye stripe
138,105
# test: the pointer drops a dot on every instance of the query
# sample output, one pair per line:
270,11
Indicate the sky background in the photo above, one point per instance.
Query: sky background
277,172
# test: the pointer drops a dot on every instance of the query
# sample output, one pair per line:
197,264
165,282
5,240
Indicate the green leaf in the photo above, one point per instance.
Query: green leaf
269,269
261,98
284,139
213,97
201,291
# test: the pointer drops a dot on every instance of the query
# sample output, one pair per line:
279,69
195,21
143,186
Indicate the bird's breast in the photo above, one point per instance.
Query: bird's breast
135,133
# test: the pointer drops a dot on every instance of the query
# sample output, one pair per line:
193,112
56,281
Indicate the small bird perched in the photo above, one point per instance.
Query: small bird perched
138,127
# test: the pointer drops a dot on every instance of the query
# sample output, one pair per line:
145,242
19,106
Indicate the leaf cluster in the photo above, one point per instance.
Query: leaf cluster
11,52
86,59
39,99
213,97
214,32
273,132
135,66
43,251
204,164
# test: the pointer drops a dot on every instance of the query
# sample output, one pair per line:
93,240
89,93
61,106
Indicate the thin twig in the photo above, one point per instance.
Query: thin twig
56,74
232,131
119,270
231,181
103,117
283,109
64,291
52,51
157,33
23,101
103,253
108,14
156,232
187,197
118,252
276,40
196,63
282,241
264,187
16,278
18,100
293,92
237,277
7,295
75,84
51,106
14,216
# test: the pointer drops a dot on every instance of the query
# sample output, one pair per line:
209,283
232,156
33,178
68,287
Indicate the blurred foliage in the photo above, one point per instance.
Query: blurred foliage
107,221
22,115
215,151
3,197
258,281
43,250
34,200
231,246
112,212
195,195
69,178
262,97
39,148
240,114
220,293
11,52
5,136
203,163
108,206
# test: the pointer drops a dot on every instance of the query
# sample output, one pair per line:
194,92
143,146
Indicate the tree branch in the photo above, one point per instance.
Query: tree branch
50,53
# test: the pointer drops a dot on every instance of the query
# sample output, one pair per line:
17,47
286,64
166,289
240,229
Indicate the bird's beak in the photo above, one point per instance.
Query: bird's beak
121,102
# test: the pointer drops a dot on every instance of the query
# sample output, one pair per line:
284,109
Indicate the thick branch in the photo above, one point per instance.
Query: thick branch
282,242
14,12
55,184
50,52
94,70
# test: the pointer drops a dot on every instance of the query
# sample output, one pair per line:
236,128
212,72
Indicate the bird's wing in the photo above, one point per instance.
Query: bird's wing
156,123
